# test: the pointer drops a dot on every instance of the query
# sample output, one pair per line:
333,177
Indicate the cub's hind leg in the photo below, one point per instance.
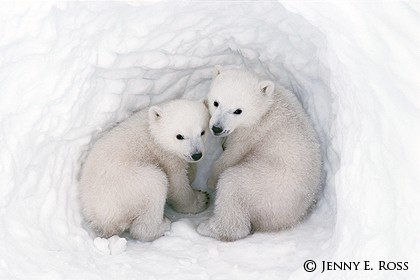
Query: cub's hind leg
150,191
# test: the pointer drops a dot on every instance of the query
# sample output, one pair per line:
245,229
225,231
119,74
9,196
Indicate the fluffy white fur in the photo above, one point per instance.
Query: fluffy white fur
133,169
270,170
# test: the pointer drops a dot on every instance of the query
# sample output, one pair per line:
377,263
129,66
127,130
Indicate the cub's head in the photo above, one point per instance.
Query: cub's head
179,127
237,99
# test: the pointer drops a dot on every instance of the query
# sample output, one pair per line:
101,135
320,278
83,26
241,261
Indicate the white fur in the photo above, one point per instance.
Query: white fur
133,169
270,170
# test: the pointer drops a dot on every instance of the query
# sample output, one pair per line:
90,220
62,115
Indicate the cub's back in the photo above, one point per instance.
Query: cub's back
121,145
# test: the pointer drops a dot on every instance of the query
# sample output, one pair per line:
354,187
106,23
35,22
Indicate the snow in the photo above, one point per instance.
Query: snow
112,246
70,71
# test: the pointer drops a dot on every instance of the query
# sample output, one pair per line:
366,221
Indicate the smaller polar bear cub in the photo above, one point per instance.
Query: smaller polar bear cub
270,170
140,164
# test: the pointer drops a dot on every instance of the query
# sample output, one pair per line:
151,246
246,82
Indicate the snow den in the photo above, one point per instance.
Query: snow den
70,71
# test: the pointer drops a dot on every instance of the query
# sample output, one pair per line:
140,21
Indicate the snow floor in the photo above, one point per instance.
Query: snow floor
69,71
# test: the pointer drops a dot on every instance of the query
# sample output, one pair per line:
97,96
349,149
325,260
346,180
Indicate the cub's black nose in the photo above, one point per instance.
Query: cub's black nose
216,129
197,156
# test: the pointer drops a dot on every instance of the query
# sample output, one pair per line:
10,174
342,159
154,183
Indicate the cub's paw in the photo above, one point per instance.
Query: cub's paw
198,201
204,229
202,200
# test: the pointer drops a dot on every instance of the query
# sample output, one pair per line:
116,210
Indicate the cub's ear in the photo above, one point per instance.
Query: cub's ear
155,113
217,70
266,87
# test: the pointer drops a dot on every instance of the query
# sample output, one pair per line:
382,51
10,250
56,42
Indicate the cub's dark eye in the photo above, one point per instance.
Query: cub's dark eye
202,132
180,137
237,112
216,104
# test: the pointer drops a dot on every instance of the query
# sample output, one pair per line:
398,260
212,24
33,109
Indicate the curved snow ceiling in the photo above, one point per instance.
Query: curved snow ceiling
69,71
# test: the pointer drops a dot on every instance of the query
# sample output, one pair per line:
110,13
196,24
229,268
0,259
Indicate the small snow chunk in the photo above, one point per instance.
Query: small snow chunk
117,245
111,246
102,244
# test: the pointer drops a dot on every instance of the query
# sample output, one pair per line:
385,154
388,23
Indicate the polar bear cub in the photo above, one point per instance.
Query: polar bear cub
140,164
270,170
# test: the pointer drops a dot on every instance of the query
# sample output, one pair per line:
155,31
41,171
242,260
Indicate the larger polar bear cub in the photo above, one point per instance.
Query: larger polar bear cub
133,169
270,170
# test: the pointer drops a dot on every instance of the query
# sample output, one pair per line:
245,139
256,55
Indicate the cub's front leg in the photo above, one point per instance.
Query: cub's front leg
218,167
182,197
231,155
